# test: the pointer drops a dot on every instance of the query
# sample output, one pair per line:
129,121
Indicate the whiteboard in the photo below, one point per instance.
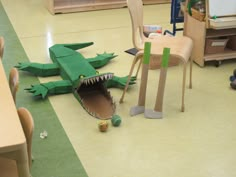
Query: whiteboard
222,7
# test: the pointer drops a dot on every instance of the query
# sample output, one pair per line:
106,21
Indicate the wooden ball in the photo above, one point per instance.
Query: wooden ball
103,125
116,120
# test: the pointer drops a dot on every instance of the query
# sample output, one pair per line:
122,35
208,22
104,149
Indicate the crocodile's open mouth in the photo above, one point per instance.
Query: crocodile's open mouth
94,96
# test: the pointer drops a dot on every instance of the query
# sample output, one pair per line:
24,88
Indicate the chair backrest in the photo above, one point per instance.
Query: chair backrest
136,13
27,124
1,47
14,82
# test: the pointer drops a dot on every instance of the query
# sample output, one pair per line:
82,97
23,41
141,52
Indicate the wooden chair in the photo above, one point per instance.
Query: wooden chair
27,123
8,166
1,47
14,82
181,47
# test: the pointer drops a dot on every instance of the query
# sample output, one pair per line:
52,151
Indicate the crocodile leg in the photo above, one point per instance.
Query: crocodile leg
51,88
39,69
101,59
119,82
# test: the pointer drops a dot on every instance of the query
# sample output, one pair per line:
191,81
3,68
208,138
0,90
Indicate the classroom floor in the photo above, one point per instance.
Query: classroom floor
201,142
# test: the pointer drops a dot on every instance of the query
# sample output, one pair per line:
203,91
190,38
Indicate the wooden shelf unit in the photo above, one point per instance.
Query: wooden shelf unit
68,6
155,1
199,32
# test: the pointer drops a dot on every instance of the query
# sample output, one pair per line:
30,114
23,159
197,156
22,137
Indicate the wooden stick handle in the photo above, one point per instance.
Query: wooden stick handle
144,76
162,80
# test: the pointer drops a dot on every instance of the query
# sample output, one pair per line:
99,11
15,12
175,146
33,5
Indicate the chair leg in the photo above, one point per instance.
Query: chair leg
139,66
137,57
183,86
190,79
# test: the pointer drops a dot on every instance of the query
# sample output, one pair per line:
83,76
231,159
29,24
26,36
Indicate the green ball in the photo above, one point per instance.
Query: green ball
116,120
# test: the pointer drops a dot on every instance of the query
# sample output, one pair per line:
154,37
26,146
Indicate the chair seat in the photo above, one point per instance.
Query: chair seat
180,46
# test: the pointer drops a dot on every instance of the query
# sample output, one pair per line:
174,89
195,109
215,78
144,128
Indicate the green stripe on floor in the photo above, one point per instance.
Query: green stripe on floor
53,156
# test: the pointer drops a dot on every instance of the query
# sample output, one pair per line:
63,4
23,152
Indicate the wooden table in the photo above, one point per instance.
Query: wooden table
12,138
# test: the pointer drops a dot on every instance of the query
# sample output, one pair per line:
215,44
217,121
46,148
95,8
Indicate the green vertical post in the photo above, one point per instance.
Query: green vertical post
147,53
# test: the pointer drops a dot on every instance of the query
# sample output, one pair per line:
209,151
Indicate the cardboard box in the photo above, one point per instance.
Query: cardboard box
215,45
232,43
152,29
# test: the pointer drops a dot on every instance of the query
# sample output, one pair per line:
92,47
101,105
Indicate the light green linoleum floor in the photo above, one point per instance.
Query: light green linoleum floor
53,156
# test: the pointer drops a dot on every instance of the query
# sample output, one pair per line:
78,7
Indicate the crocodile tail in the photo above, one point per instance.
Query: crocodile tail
76,46
64,50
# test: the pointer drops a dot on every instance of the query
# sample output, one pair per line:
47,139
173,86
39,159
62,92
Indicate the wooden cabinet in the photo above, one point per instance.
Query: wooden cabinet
200,32
67,6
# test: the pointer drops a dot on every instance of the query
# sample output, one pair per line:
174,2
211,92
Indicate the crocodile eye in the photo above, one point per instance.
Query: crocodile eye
81,76
97,72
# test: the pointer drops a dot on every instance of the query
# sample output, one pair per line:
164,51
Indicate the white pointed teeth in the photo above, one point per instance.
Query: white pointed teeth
110,75
96,79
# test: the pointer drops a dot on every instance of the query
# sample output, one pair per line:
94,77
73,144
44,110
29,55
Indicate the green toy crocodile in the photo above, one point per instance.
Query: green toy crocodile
79,77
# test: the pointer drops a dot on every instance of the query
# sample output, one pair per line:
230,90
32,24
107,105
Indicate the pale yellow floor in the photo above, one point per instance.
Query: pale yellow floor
201,142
